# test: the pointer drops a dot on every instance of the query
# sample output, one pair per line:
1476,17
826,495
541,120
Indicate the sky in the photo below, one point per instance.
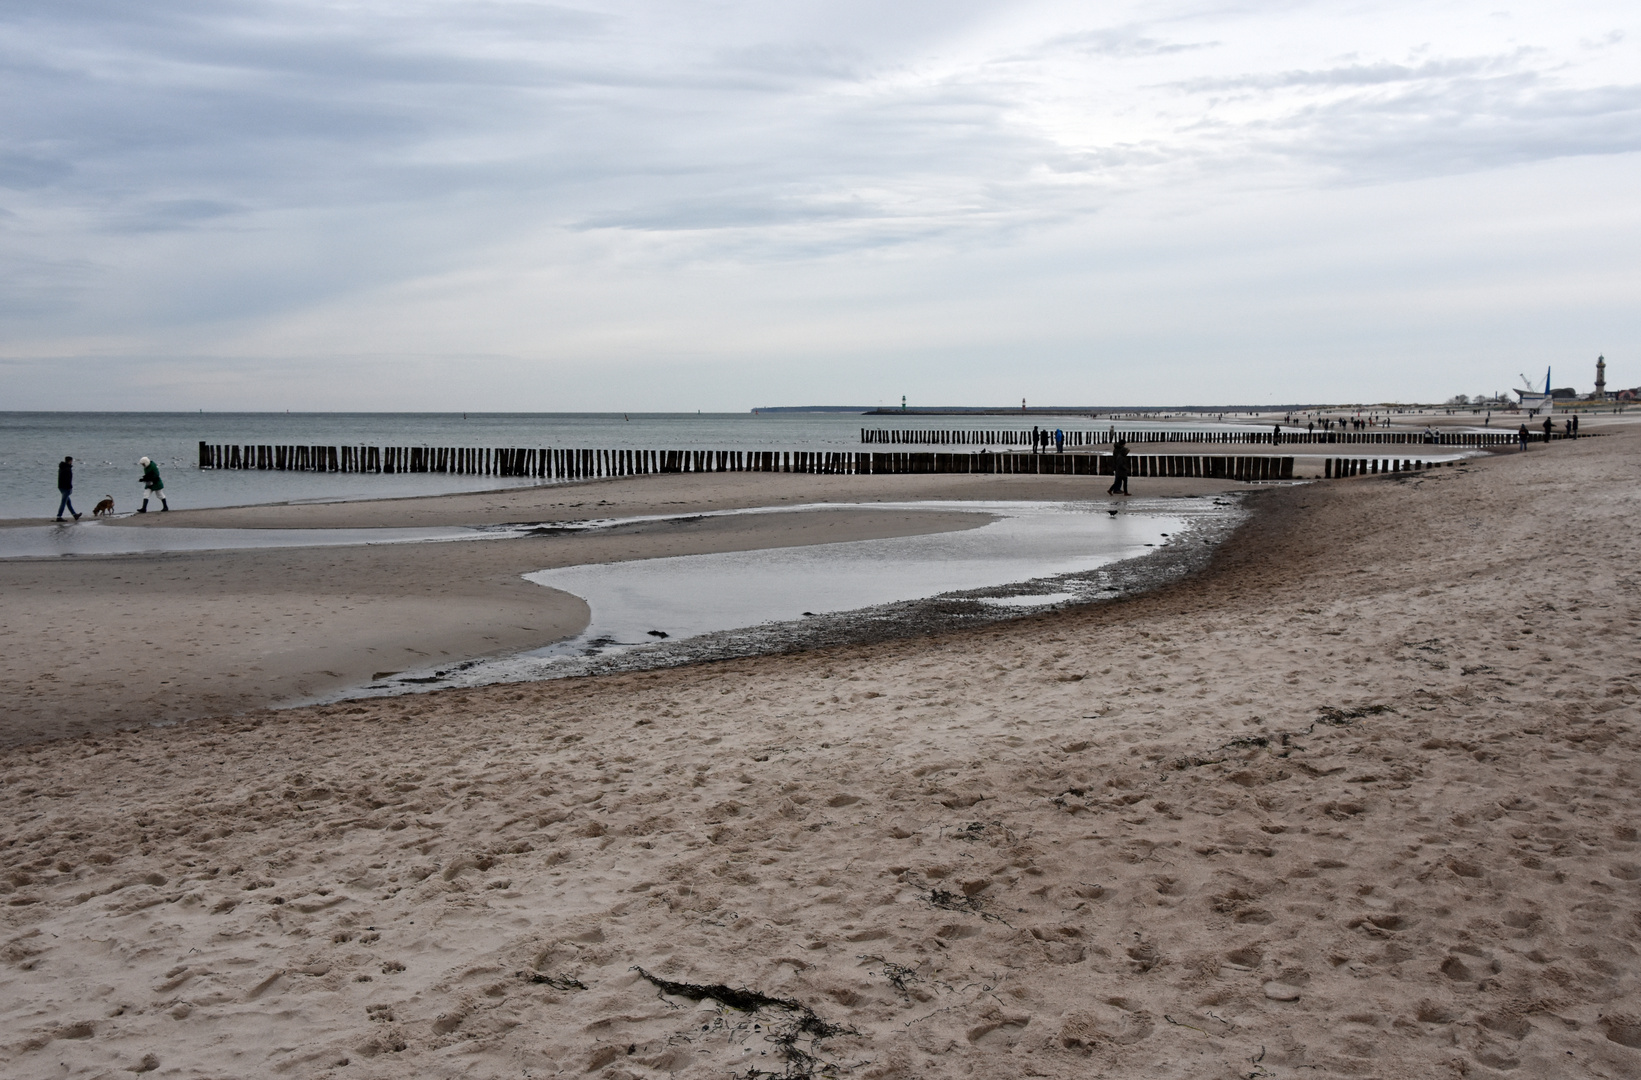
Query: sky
506,205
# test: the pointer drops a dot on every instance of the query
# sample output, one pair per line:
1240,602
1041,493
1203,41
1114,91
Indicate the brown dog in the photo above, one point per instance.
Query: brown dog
104,507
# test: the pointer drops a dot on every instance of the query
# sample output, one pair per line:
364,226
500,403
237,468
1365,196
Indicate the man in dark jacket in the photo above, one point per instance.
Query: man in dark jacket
65,484
1119,469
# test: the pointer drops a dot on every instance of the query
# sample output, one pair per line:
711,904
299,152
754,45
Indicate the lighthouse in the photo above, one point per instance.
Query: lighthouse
1601,378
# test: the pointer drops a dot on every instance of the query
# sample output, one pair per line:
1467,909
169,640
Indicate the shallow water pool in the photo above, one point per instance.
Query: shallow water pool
1027,559
689,595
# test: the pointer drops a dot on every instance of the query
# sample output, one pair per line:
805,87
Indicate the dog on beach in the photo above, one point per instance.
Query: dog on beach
104,507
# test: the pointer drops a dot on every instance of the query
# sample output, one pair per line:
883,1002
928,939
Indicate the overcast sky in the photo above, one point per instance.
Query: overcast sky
512,205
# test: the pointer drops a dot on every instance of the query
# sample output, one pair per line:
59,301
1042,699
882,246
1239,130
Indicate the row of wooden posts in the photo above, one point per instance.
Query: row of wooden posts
588,464
1338,468
1104,438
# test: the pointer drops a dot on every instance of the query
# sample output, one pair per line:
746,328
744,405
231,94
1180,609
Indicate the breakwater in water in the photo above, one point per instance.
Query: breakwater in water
1339,468
1253,437
549,464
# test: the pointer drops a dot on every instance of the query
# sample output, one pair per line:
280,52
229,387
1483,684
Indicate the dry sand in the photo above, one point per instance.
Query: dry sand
1358,800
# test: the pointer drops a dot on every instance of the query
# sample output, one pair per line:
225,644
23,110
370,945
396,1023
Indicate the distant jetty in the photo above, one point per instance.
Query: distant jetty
1044,410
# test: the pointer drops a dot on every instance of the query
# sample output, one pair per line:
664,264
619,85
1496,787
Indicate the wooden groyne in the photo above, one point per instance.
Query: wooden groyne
1286,437
1339,468
547,464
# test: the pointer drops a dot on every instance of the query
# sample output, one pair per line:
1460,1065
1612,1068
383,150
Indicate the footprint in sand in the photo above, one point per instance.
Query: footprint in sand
1623,1029
999,1034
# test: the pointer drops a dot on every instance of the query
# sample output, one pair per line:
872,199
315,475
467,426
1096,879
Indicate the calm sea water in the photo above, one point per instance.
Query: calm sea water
106,446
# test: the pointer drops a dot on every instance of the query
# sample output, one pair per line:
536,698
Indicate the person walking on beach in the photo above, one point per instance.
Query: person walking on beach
1059,441
1119,469
1521,437
65,484
1575,425
152,485
1549,428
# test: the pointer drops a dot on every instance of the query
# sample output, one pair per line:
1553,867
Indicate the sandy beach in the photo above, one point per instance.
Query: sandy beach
92,643
89,644
1358,799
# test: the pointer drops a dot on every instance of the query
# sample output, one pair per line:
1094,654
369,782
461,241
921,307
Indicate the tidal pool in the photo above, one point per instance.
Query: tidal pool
688,595
658,612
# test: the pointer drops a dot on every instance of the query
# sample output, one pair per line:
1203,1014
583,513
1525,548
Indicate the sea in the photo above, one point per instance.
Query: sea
106,446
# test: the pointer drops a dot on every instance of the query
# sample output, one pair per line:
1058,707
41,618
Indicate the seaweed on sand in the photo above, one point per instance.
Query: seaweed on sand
799,1021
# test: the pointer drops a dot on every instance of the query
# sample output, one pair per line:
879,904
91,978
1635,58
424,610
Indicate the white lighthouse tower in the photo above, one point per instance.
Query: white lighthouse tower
1601,378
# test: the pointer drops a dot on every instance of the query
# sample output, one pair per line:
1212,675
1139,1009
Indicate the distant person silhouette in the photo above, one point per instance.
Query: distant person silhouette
1119,469
65,485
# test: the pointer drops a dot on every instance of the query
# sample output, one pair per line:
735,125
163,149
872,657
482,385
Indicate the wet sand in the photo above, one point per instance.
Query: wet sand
679,493
88,644
1359,799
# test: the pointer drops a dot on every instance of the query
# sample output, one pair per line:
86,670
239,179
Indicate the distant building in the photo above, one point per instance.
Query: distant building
1600,378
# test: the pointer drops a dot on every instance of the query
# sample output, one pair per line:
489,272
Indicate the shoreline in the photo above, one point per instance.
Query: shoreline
96,642
1348,801
671,493
1310,456
161,637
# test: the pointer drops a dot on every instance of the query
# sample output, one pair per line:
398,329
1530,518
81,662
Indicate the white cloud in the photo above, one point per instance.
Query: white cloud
729,195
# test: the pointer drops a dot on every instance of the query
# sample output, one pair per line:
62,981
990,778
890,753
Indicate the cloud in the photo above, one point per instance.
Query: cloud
1122,41
181,174
168,214
1351,75
23,171
1430,125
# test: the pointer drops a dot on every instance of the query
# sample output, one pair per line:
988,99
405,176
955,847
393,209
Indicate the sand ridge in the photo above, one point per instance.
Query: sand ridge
671,493
1359,800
